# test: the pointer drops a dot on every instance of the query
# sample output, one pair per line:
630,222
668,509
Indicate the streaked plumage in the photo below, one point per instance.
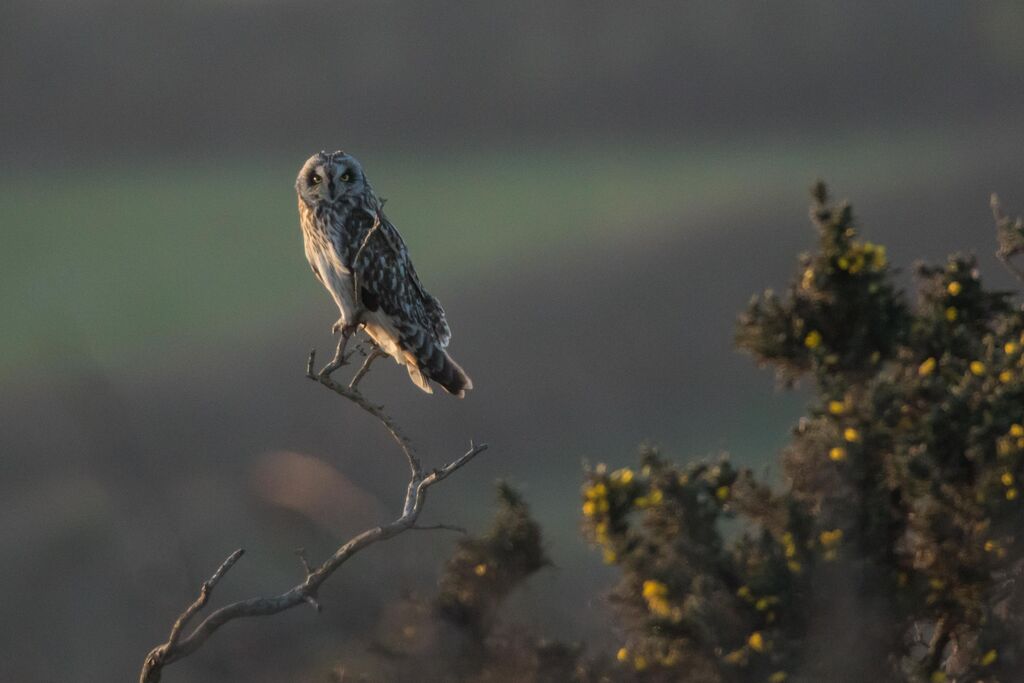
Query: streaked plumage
348,239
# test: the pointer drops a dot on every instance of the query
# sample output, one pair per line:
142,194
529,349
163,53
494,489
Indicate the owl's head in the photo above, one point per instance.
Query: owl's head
330,177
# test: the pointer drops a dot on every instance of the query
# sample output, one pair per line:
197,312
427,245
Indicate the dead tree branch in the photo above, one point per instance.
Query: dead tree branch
179,646
1010,237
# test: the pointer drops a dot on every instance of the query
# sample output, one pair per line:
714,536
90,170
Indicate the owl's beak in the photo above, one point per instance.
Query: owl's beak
330,186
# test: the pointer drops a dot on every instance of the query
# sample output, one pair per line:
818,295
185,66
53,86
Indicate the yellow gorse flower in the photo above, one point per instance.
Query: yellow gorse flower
830,543
836,407
813,339
951,314
926,368
596,499
656,595
788,545
977,368
861,255
789,548
851,435
954,288
756,642
808,278
622,476
653,498
654,588
837,454
830,538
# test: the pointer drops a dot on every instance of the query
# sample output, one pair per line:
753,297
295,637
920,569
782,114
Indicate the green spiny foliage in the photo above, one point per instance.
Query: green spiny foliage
693,604
457,634
891,551
483,570
841,316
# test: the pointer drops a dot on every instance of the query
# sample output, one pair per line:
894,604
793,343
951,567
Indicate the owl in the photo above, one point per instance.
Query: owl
358,256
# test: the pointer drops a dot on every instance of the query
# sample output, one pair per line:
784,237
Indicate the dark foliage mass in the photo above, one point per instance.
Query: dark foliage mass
888,552
456,634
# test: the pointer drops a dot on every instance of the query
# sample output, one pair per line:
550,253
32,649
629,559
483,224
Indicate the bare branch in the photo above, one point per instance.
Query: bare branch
374,354
445,527
157,657
305,592
358,293
1010,238
340,357
301,552
376,411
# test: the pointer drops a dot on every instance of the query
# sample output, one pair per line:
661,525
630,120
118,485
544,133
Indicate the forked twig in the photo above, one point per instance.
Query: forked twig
374,354
1009,236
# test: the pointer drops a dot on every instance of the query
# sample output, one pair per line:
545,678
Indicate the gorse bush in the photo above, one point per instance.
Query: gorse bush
456,634
889,552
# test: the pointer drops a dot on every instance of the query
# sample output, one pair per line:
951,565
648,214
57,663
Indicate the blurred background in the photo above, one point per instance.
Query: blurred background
593,189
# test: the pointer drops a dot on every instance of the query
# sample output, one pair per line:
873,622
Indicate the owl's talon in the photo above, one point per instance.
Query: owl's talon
346,330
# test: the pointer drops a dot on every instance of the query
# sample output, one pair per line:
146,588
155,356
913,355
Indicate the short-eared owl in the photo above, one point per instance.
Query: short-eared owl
350,243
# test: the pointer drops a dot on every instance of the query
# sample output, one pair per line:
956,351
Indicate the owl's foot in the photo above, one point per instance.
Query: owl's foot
338,326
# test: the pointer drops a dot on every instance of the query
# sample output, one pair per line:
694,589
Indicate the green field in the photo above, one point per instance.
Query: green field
105,261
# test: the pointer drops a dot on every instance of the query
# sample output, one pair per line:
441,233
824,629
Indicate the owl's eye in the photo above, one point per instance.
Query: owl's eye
315,179
345,177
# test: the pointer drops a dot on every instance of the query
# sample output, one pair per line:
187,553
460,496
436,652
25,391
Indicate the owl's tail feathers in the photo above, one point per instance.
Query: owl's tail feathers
426,360
434,362
452,377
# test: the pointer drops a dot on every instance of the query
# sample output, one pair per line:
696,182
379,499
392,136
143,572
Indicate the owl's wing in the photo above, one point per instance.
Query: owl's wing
388,280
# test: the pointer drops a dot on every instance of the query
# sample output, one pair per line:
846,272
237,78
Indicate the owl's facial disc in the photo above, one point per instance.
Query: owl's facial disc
329,177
